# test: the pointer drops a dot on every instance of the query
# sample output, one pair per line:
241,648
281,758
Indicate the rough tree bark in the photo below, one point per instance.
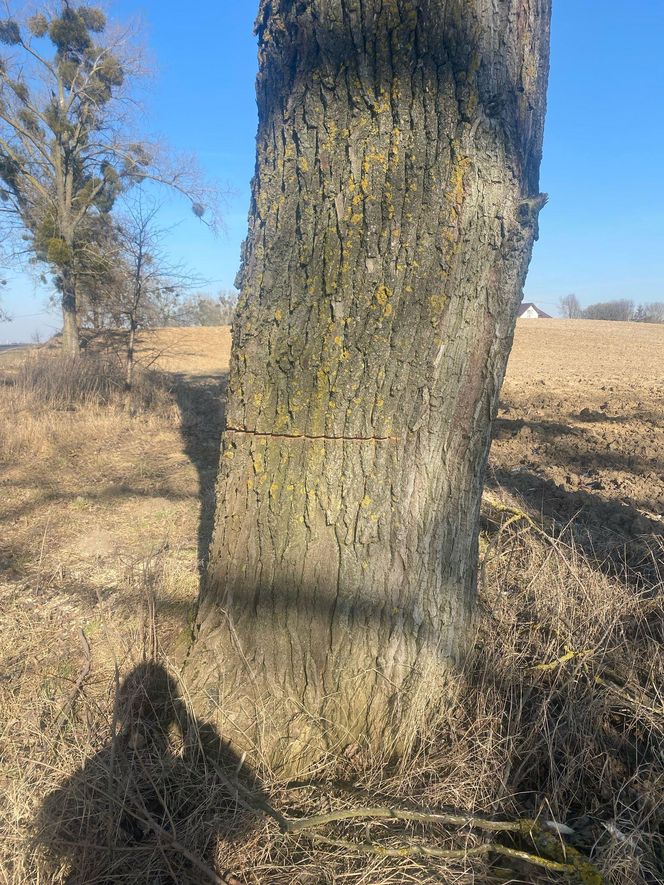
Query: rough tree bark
70,331
394,209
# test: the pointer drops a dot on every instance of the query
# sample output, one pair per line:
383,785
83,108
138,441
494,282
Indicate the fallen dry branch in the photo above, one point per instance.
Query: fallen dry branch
413,849
551,848
84,672
554,855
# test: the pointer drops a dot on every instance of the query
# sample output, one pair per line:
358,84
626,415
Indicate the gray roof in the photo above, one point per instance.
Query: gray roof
540,313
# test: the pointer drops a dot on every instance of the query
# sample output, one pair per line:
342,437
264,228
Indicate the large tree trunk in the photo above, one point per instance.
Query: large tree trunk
394,209
70,331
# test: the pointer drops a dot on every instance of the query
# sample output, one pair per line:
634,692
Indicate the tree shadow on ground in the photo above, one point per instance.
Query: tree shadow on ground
614,535
113,492
153,804
202,400
504,428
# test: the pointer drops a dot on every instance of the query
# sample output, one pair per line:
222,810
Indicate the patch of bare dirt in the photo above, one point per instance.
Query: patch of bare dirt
196,351
580,428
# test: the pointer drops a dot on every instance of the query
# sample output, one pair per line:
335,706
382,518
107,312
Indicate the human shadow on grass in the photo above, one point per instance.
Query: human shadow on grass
153,804
202,401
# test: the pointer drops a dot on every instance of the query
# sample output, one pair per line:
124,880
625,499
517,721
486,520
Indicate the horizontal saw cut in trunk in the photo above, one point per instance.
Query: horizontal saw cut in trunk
394,209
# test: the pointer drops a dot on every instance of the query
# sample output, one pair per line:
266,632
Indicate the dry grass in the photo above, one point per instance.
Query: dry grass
558,713
201,350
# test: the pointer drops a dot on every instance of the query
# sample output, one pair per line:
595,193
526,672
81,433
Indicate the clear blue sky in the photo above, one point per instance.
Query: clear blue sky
602,233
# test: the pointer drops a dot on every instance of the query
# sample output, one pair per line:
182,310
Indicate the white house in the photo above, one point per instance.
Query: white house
530,311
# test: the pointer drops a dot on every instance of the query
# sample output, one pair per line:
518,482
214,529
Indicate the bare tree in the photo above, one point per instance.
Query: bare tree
395,204
143,273
205,310
66,149
653,312
164,307
621,310
570,307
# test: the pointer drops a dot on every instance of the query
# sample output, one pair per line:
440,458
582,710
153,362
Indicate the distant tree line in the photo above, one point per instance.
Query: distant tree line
621,310
208,310
168,306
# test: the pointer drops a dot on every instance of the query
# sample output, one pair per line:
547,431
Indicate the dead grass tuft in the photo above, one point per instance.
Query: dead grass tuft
61,382
47,397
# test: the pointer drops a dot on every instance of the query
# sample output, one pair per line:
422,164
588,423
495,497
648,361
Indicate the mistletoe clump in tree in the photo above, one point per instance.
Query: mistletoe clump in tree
65,151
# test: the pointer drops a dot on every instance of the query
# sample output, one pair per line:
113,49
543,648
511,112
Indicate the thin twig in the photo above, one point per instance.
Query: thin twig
80,681
524,827
391,813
